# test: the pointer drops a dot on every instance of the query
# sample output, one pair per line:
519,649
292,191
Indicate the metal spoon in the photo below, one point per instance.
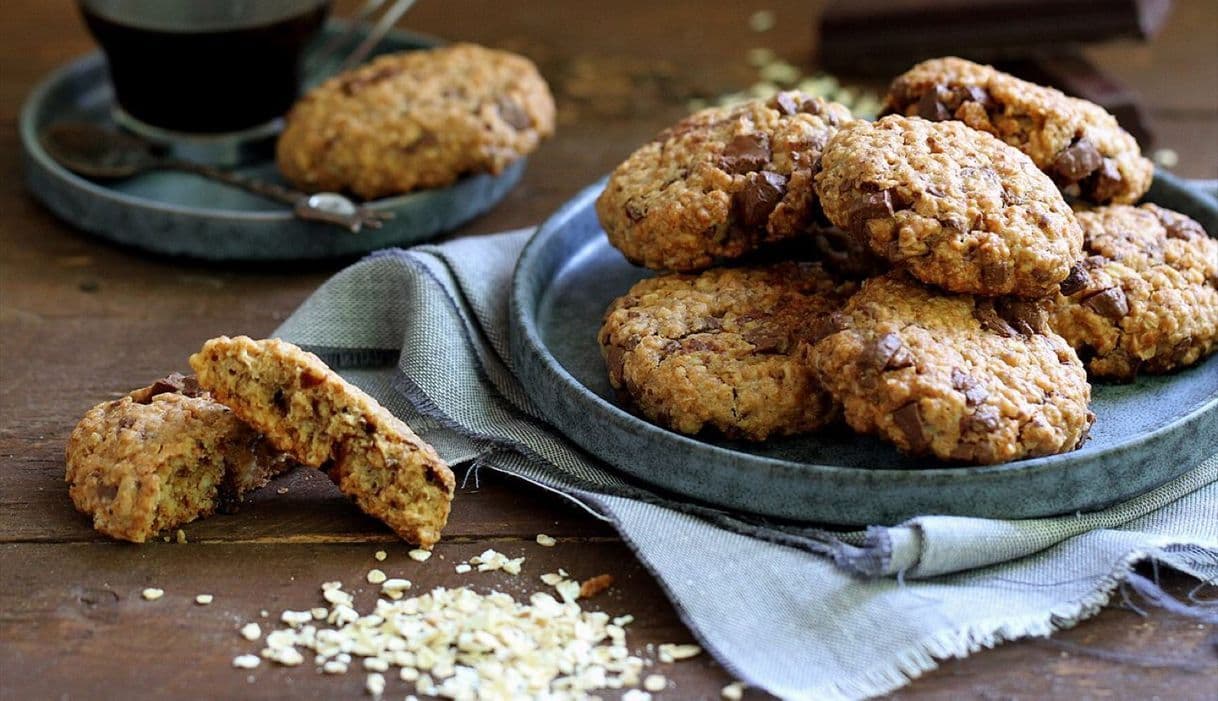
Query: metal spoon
94,152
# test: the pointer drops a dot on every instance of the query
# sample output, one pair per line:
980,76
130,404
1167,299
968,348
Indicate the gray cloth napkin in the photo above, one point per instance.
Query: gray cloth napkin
798,611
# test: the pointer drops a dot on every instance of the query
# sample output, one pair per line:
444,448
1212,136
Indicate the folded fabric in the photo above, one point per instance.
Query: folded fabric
799,611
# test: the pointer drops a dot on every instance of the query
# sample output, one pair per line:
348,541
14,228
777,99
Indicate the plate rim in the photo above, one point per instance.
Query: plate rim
528,349
95,60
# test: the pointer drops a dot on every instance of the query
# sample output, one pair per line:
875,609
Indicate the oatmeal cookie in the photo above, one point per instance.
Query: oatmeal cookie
720,183
971,379
416,119
161,457
306,410
721,350
955,207
1075,141
1146,298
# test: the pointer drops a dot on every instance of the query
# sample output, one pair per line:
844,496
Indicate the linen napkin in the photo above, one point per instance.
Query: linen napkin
801,612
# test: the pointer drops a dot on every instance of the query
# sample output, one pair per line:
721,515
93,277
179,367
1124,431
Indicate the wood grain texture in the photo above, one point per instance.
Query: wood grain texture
81,322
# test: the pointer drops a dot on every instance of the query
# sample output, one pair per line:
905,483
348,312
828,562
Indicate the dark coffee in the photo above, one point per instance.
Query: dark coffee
204,67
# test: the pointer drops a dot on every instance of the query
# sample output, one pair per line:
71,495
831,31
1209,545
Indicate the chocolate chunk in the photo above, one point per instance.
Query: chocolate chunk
785,103
1076,281
985,313
1077,161
965,383
761,193
888,353
766,340
872,205
970,93
1027,318
746,153
825,325
1180,227
615,360
359,81
634,211
814,106
909,420
929,107
513,113
175,383
1104,184
997,274
1110,303
696,344
983,420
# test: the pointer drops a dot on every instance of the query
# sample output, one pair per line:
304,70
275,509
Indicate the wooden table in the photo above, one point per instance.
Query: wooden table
82,321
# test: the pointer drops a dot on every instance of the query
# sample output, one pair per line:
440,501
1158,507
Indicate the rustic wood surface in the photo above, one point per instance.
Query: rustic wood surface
82,321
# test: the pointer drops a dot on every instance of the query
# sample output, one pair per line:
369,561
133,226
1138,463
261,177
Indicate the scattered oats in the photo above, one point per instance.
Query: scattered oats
334,667
286,656
419,554
281,490
327,586
761,21
376,664
409,674
545,541
592,587
780,72
670,652
263,613
1166,157
376,576
655,682
251,631
319,613
152,593
551,578
463,568
636,695
165,538
246,661
375,684
296,618
380,555
181,537
733,691
568,590
395,586
623,620
204,599
760,56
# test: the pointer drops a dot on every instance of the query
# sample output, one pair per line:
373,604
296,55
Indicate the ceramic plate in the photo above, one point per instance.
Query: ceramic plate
1145,433
182,214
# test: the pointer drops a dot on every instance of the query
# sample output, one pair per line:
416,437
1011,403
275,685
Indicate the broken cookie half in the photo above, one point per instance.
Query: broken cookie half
306,410
163,456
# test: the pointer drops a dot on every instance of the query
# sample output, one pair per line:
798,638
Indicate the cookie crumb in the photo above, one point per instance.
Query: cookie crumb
733,691
204,599
419,554
545,541
463,568
376,576
380,555
592,587
655,682
246,661
281,490
152,593
181,537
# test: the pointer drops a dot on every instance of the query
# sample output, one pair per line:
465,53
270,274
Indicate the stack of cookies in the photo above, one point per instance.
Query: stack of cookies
946,278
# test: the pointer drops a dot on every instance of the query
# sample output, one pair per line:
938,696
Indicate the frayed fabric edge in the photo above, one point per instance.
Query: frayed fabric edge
927,653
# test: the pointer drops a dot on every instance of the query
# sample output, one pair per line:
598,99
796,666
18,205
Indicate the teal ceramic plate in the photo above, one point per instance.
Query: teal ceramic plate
182,214
1145,433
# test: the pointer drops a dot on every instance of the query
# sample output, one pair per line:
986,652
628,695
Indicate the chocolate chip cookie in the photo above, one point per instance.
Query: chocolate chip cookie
1075,141
1146,298
970,379
306,410
414,120
720,183
955,207
161,457
722,350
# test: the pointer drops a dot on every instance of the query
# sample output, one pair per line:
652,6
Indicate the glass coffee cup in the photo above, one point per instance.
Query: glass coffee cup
204,68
